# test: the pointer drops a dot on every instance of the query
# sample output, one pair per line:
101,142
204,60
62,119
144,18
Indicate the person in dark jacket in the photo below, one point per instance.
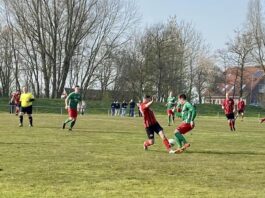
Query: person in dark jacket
112,106
123,108
132,106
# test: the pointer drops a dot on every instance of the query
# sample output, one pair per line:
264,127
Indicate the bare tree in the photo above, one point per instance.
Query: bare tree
255,25
6,60
240,49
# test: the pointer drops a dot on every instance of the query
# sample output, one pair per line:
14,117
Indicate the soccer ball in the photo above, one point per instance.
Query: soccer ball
172,142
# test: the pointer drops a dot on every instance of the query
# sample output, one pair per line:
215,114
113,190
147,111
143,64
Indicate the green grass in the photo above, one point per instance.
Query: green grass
103,157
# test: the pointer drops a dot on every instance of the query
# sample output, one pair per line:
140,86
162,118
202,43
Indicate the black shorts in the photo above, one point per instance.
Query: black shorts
230,116
27,110
151,130
240,111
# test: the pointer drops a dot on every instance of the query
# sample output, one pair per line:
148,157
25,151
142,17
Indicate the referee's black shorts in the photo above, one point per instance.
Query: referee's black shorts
26,110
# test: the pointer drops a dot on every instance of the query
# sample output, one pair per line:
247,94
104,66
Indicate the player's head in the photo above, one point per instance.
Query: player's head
240,98
77,89
146,98
17,91
227,95
25,89
170,93
182,98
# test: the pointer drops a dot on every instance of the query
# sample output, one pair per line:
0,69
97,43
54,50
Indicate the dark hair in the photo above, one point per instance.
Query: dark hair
77,86
147,96
182,96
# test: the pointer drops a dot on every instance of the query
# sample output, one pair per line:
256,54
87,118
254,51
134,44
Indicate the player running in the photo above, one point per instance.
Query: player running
171,102
188,114
151,125
71,102
15,99
228,107
26,100
240,108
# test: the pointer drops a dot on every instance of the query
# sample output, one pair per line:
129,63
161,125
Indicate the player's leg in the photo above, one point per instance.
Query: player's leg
21,114
168,119
69,119
72,123
17,110
262,120
173,117
229,121
233,121
29,113
30,120
159,130
150,141
181,141
230,124
242,115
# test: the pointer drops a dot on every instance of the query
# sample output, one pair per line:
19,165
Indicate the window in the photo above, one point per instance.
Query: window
261,88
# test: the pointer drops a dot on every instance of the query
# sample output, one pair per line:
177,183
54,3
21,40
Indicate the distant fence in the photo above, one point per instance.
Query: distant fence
61,110
51,109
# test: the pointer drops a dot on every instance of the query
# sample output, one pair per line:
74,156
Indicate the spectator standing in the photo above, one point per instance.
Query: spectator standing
123,108
117,108
113,106
139,111
132,106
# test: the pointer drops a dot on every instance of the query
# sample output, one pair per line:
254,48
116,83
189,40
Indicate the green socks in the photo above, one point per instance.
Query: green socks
180,140
66,121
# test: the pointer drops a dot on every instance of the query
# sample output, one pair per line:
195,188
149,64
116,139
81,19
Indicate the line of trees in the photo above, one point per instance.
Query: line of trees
53,44
247,47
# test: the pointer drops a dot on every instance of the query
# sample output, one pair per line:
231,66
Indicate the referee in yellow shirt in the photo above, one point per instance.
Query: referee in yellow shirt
26,100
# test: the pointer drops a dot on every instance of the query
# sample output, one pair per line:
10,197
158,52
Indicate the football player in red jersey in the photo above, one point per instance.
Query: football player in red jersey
151,125
228,107
15,99
241,108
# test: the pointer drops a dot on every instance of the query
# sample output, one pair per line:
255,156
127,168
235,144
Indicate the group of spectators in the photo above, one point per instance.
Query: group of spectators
120,109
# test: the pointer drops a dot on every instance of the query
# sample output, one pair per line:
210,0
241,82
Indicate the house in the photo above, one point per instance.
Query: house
253,86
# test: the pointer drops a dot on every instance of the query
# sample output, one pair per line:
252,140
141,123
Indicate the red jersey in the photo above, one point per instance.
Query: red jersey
16,98
241,105
148,115
228,106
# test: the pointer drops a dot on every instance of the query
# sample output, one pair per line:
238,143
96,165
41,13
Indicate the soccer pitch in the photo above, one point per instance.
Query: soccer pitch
103,157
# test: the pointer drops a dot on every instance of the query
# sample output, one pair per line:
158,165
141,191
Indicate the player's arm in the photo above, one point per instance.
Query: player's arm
191,114
31,98
149,103
67,101
12,99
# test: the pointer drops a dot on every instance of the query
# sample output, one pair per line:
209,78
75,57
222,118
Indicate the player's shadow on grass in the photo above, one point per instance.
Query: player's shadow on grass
226,152
107,132
1,169
15,143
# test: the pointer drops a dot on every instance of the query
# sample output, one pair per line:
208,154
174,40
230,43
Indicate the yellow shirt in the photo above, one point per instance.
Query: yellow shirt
25,99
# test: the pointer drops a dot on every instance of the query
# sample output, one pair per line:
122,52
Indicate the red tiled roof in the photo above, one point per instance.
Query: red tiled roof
252,75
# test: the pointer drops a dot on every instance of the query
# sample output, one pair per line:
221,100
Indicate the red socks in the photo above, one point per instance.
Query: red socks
147,143
166,143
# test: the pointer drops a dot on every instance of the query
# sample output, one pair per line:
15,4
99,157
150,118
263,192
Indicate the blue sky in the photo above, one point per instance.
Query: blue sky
215,19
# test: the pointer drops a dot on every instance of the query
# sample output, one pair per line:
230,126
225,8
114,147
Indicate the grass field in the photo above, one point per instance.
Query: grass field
103,157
